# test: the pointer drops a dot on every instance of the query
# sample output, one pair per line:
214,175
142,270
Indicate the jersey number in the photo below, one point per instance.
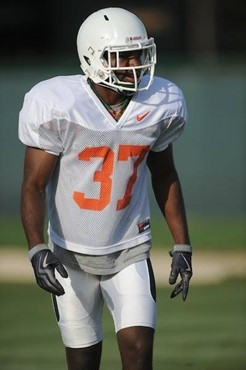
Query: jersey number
104,175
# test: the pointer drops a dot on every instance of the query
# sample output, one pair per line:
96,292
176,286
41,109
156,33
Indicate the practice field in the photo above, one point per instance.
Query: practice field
207,233
205,333
208,332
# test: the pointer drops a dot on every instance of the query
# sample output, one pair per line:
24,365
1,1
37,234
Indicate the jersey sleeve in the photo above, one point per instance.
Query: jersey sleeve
173,125
38,126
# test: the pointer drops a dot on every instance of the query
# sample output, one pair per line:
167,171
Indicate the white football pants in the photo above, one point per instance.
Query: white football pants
129,295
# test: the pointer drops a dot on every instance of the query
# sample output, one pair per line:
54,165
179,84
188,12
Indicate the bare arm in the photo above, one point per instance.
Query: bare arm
38,167
168,193
169,197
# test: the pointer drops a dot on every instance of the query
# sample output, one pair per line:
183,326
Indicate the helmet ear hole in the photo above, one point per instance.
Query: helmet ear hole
87,60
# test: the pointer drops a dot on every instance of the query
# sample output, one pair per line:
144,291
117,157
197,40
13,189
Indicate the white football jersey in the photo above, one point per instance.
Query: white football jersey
97,196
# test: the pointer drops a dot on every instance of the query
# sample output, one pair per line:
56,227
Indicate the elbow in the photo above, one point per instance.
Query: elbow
31,187
164,178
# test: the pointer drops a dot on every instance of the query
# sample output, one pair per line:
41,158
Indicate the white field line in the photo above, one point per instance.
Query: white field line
208,267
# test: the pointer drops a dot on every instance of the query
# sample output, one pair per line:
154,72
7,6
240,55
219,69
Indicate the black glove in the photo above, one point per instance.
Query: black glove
181,264
44,263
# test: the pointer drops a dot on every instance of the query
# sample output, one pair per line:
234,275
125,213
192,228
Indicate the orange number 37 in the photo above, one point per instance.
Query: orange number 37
104,175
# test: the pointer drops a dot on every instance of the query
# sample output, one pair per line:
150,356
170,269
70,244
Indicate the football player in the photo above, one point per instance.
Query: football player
90,140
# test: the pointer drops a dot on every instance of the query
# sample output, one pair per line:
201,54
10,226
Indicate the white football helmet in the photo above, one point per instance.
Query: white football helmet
103,36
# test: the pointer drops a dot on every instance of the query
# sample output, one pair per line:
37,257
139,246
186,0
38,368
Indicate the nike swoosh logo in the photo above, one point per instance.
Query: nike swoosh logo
187,263
45,264
140,117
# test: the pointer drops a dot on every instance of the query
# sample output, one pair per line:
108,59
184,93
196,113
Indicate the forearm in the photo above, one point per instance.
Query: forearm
170,200
169,197
43,260
33,214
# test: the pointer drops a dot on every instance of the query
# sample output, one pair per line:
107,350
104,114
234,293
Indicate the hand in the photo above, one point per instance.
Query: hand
181,264
44,263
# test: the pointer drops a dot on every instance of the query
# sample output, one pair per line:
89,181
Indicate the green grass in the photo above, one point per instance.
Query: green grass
205,333
206,233
11,232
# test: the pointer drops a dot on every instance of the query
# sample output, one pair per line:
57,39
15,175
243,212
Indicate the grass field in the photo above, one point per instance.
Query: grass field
206,333
206,232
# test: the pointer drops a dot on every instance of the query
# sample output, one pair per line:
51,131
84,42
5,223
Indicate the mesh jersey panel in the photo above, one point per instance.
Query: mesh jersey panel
107,227
97,196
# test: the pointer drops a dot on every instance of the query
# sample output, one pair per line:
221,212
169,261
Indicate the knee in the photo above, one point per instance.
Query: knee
136,347
139,347
84,358
138,356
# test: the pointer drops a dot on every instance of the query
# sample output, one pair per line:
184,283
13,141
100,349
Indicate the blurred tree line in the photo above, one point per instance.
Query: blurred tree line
38,28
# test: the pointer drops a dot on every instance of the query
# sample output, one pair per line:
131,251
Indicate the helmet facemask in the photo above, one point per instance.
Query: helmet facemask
112,72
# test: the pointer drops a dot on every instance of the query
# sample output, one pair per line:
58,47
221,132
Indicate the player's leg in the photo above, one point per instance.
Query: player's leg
79,316
131,298
136,347
84,358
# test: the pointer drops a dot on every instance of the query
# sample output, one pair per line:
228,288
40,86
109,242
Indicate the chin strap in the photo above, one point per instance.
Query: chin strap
117,89
114,88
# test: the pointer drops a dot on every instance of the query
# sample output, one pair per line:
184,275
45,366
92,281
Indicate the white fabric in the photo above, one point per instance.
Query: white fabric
127,295
97,196
37,248
182,248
